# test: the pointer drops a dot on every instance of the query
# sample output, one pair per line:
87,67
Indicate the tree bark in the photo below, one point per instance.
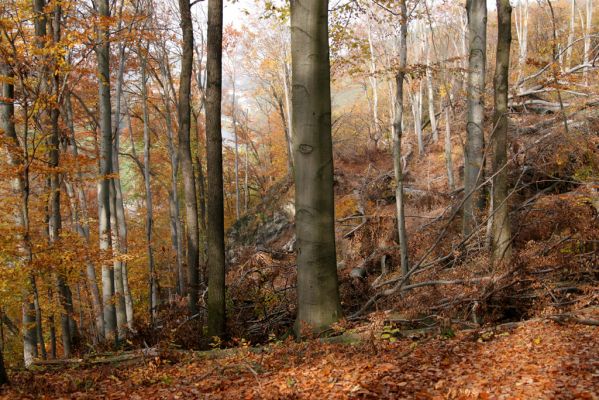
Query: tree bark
82,224
216,232
153,285
587,40
103,54
475,142
431,98
397,137
317,281
191,204
448,156
123,301
501,237
176,228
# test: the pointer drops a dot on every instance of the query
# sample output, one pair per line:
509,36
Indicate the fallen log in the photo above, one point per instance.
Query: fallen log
121,359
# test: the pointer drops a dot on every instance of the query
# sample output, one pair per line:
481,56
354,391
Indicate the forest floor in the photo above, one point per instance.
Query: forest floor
537,359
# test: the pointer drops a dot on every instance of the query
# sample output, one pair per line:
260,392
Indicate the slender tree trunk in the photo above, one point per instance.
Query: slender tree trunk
123,301
82,224
397,137
501,237
3,375
587,40
431,98
153,285
55,220
53,346
191,204
234,117
216,231
103,54
522,34
374,83
448,160
176,228
475,142
20,185
568,62
317,282
289,133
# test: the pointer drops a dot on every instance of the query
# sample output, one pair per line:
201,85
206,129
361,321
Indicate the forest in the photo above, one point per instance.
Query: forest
298,199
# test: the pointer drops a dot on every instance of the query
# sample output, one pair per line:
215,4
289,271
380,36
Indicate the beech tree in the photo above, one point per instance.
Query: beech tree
185,158
216,224
397,137
105,119
317,283
501,238
475,141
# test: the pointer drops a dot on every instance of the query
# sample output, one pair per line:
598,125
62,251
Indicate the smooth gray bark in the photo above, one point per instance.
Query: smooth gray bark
475,141
185,158
397,138
317,282
153,285
105,119
501,237
82,224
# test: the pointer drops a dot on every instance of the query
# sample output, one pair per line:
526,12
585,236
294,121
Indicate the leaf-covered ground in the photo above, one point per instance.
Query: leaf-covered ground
535,360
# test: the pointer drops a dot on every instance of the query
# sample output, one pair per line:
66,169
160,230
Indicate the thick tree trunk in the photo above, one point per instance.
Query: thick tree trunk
397,137
216,231
317,282
191,204
103,54
475,142
501,237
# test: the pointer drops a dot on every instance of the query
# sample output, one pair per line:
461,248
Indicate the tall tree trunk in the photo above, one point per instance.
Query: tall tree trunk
475,141
587,40
568,62
501,237
176,228
103,54
123,301
317,282
82,224
191,204
234,117
55,220
431,98
522,34
153,285
397,137
448,157
216,230
20,185
374,83
289,133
